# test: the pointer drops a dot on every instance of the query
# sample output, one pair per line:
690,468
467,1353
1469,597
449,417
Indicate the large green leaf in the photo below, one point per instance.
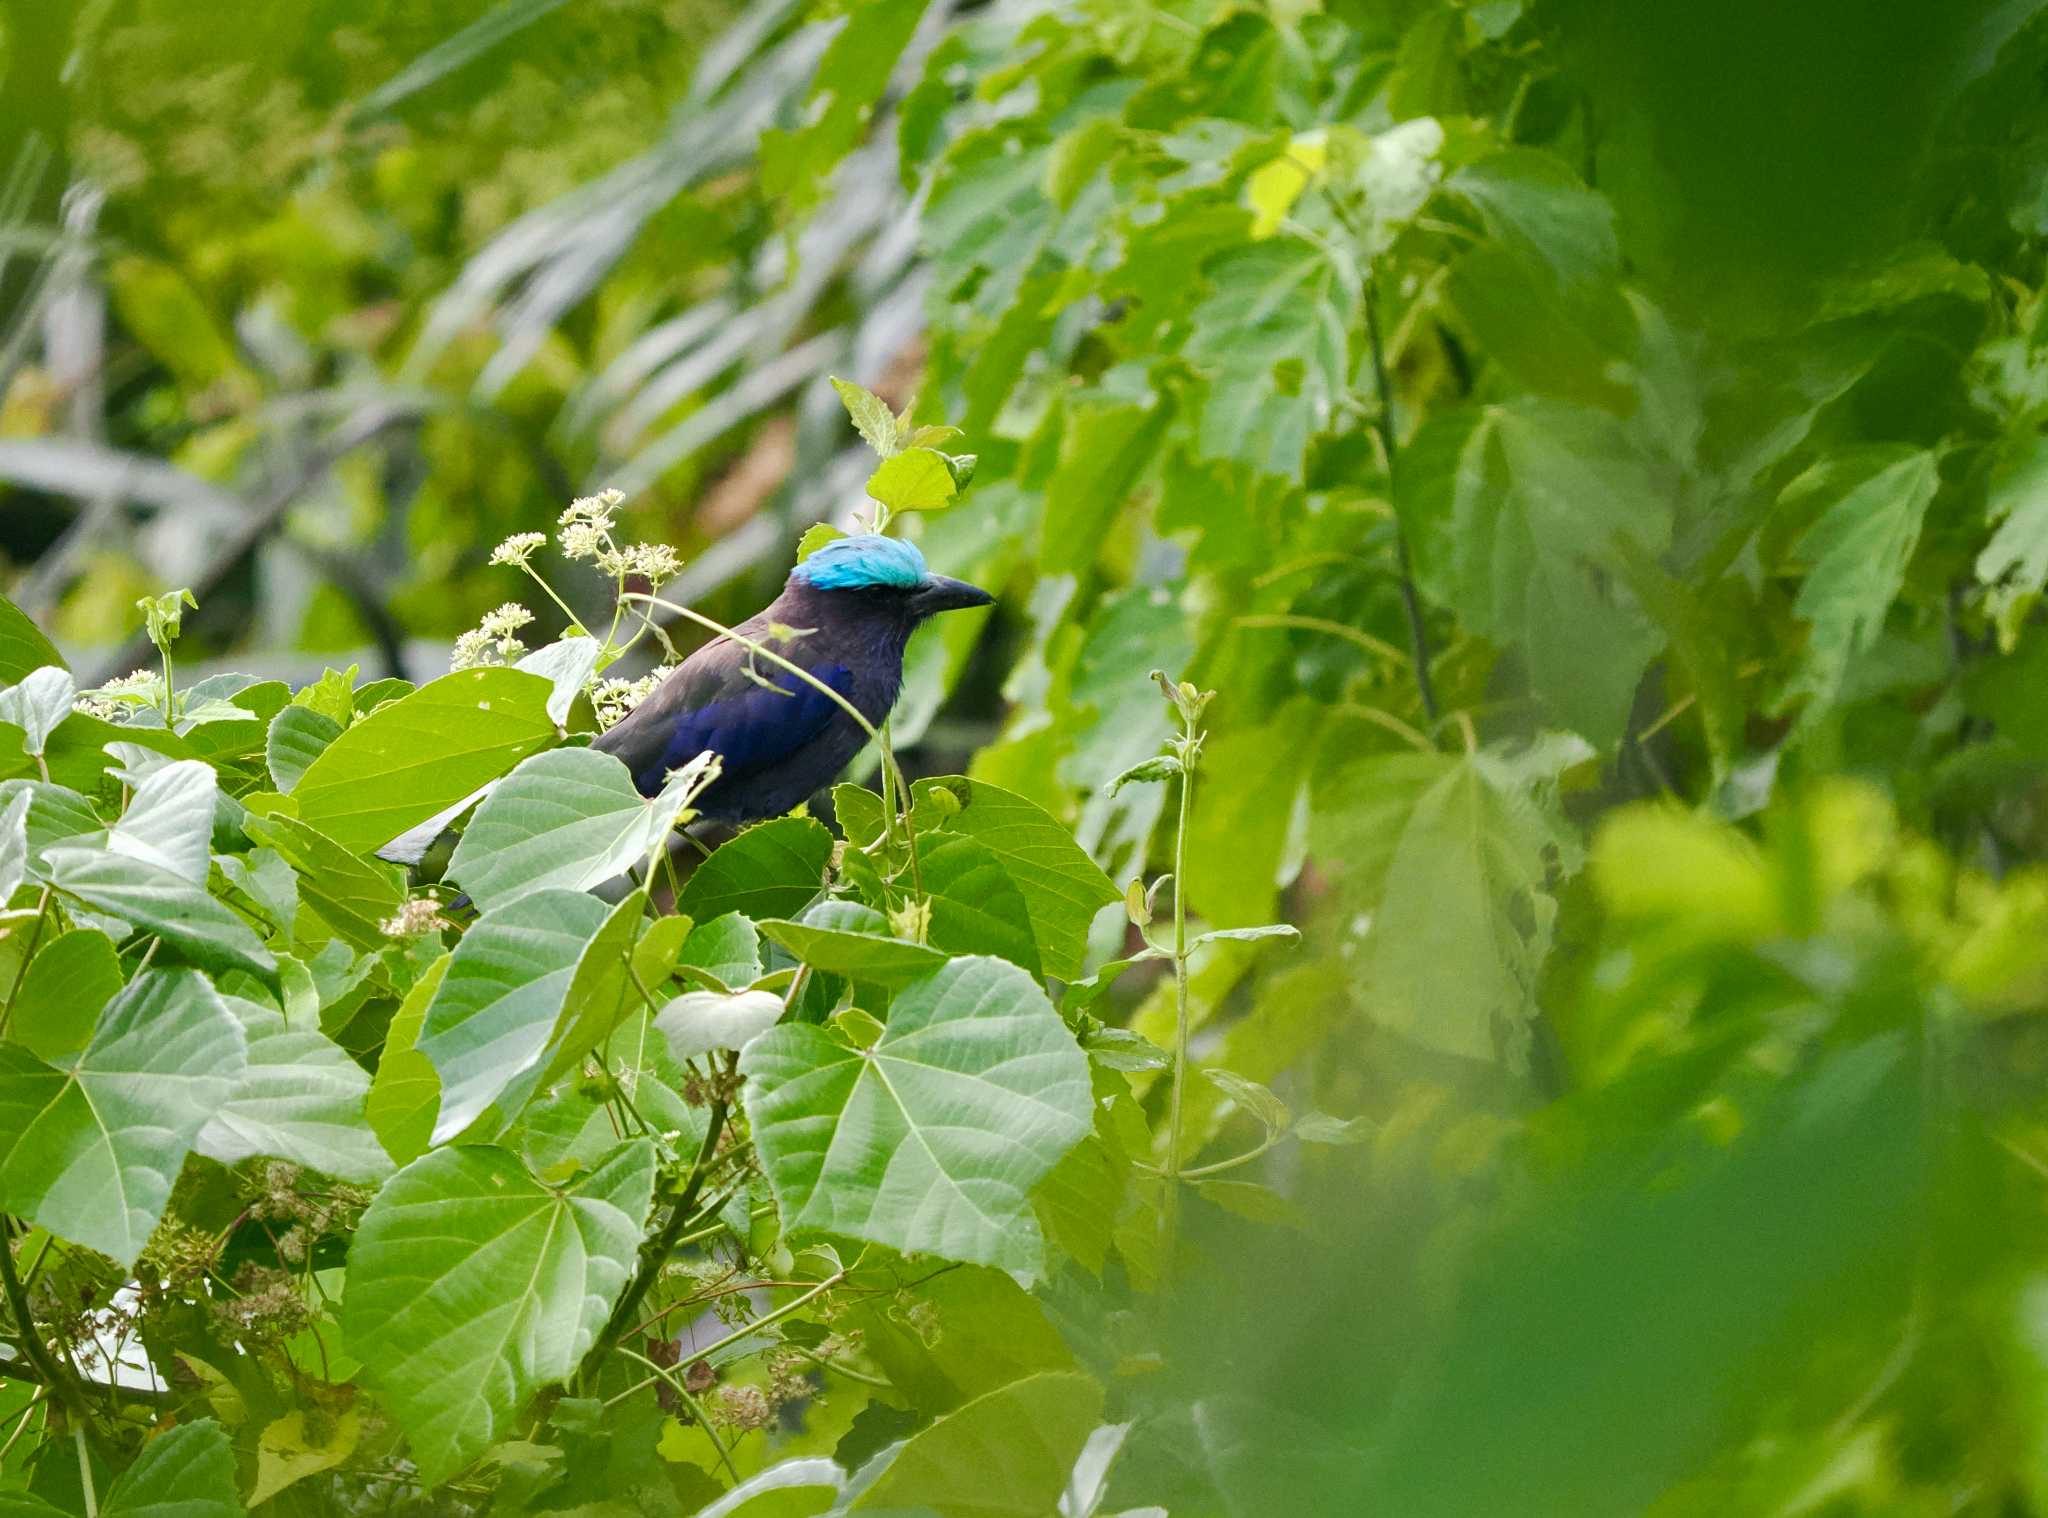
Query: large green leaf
352,895
55,815
405,1093
23,648
169,820
471,1285
1466,916
1271,343
299,1098
851,77
569,819
976,907
1872,501
490,1022
1007,1454
66,985
1063,888
92,1149
184,1472
157,901
768,871
931,1140
1530,540
423,753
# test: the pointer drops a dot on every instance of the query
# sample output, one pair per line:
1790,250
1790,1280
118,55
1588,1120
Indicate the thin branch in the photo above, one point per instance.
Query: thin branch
1418,631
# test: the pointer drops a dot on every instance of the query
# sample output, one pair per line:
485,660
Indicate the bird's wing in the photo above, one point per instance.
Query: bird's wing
751,715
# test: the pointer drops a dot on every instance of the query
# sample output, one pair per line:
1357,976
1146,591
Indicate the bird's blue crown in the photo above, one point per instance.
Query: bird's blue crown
865,558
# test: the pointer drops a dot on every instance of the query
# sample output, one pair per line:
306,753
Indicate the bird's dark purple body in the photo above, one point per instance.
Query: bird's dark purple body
845,617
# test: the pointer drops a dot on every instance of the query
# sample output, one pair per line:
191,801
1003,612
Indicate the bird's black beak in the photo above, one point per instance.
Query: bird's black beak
937,593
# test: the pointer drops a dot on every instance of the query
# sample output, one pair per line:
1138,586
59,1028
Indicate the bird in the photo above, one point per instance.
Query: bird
845,615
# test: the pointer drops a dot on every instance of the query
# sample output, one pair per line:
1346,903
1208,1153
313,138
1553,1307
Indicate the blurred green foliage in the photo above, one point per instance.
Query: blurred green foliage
1595,452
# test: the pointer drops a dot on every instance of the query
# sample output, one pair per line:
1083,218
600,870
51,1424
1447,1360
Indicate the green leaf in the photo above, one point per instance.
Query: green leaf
55,815
287,1452
37,704
1465,922
169,821
866,956
1271,344
1106,446
1874,501
930,1141
354,896
1254,1098
850,80
13,846
816,536
63,991
916,479
471,1286
157,901
1321,1128
568,819
1545,507
332,696
92,1150
601,991
1063,888
859,813
1007,1454
184,1472
772,870
726,949
490,1022
405,1093
567,666
872,418
573,1123
298,735
976,907
422,754
23,648
2014,564
1286,932
1533,202
299,1098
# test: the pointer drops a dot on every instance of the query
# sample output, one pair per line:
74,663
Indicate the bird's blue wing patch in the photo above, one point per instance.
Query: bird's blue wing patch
751,726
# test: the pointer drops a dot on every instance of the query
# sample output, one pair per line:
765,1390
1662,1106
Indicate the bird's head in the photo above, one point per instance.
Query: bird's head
884,573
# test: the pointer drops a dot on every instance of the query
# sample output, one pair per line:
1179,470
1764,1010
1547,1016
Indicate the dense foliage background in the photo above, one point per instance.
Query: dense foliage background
1594,455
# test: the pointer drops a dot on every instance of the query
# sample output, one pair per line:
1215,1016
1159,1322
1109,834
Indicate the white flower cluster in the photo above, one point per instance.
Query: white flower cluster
494,641
614,700
144,687
420,914
656,561
587,524
518,548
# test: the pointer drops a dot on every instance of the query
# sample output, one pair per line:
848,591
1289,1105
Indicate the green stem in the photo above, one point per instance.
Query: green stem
34,937
683,1392
92,1506
1411,602
55,1376
1171,1210
679,1219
